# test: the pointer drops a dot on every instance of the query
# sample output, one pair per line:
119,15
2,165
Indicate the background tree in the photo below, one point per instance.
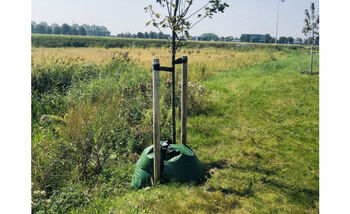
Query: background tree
87,28
41,27
152,35
267,38
140,35
180,22
48,29
160,36
245,38
65,29
273,40
311,29
299,40
255,39
290,40
209,37
81,31
56,29
74,29
33,27
229,38
283,40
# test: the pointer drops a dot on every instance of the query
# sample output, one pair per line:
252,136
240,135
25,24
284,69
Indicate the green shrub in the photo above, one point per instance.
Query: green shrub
52,163
64,200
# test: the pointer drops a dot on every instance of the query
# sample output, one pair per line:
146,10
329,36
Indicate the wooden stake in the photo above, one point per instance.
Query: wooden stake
184,101
156,128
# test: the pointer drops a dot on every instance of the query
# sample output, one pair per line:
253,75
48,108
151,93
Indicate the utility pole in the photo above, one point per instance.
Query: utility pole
278,14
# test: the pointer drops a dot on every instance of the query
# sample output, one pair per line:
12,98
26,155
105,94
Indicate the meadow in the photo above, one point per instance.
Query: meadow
253,123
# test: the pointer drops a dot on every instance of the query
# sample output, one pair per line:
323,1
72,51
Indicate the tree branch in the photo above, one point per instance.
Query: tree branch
197,22
197,11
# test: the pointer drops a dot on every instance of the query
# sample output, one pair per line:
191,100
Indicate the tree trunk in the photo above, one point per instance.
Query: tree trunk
173,55
311,57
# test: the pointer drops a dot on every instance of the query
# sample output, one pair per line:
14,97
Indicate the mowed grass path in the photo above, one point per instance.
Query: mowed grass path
258,143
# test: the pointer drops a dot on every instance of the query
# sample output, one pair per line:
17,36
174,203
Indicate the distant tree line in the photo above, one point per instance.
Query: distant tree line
145,35
66,29
269,39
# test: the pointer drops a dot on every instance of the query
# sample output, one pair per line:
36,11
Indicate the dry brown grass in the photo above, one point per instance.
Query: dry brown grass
203,63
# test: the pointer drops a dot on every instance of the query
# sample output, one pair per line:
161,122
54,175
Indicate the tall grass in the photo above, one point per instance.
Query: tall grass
203,63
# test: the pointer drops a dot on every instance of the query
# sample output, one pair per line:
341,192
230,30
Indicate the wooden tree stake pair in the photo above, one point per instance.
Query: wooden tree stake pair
156,114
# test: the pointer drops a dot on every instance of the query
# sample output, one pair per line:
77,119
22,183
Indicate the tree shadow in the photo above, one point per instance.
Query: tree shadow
295,193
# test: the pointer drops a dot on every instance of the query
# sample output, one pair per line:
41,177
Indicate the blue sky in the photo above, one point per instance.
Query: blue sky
243,16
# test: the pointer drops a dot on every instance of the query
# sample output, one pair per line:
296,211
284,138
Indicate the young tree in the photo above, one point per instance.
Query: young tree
180,22
311,29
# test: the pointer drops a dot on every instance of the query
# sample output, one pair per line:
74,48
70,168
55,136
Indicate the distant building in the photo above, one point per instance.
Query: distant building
253,38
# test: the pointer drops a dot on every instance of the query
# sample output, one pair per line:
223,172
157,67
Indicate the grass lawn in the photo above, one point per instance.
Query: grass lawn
259,143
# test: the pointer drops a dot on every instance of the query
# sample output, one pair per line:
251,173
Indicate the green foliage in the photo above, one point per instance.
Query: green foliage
268,38
178,20
283,40
209,37
51,160
69,197
312,21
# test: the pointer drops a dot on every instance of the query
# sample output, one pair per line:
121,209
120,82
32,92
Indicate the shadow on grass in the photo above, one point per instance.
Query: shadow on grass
296,194
211,167
308,72
301,195
222,164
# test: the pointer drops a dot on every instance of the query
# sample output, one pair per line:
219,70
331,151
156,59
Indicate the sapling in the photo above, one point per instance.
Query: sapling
180,20
311,29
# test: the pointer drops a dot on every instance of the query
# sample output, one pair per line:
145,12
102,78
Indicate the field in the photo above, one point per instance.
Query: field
253,123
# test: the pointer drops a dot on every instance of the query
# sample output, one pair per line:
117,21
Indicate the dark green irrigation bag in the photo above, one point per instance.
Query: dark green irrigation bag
178,164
